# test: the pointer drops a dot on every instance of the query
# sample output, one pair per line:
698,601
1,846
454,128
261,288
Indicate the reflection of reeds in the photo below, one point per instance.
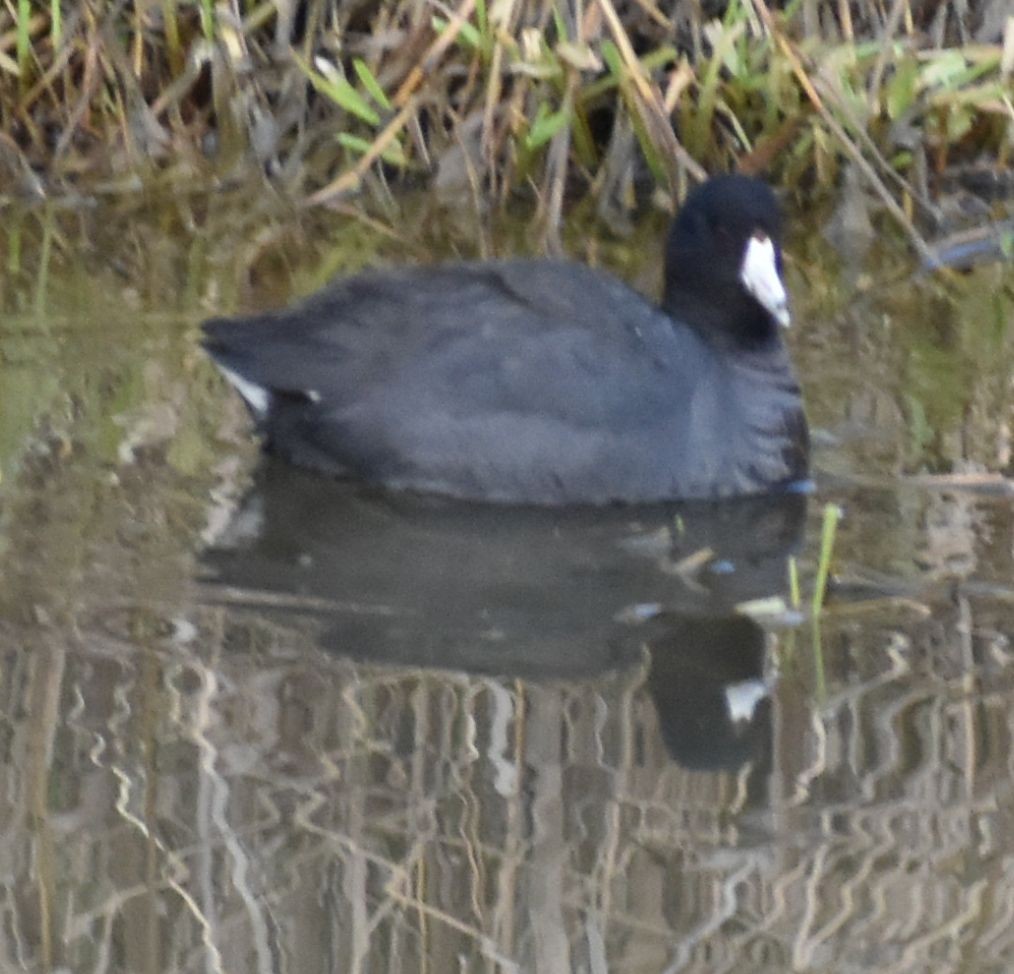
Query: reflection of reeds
501,95
218,802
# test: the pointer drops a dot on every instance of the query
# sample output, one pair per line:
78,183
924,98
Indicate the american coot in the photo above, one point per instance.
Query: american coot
543,381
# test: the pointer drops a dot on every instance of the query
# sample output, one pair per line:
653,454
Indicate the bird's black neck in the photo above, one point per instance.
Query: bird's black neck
737,321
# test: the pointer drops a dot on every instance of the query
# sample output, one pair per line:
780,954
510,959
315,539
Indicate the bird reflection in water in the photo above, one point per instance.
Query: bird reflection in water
528,593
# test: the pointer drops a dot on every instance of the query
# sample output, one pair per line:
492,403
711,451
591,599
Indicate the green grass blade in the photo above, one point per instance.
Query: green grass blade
545,126
340,92
794,595
370,83
23,40
482,19
55,23
208,19
832,515
467,34
394,154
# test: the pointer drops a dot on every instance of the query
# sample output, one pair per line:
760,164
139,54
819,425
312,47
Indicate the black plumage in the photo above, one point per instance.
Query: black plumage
539,381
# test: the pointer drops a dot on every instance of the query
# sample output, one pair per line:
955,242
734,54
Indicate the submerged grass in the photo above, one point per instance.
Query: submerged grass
612,100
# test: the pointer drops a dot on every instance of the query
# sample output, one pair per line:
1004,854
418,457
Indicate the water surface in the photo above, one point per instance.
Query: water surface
256,721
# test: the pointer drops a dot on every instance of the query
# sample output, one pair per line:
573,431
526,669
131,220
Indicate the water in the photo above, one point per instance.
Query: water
256,721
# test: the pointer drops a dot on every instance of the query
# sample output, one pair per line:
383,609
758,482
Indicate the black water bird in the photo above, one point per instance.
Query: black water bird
543,381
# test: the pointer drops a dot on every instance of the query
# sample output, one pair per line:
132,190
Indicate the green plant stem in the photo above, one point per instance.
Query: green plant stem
55,23
171,28
208,19
829,527
23,41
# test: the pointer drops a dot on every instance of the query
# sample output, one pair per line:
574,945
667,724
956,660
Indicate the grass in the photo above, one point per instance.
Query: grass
829,528
611,101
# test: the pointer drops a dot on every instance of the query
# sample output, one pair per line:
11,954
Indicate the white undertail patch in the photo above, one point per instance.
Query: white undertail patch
257,397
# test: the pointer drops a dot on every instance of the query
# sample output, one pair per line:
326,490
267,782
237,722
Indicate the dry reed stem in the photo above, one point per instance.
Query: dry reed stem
841,136
434,53
648,96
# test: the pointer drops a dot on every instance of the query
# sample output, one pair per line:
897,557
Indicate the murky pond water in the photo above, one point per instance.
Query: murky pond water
256,721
